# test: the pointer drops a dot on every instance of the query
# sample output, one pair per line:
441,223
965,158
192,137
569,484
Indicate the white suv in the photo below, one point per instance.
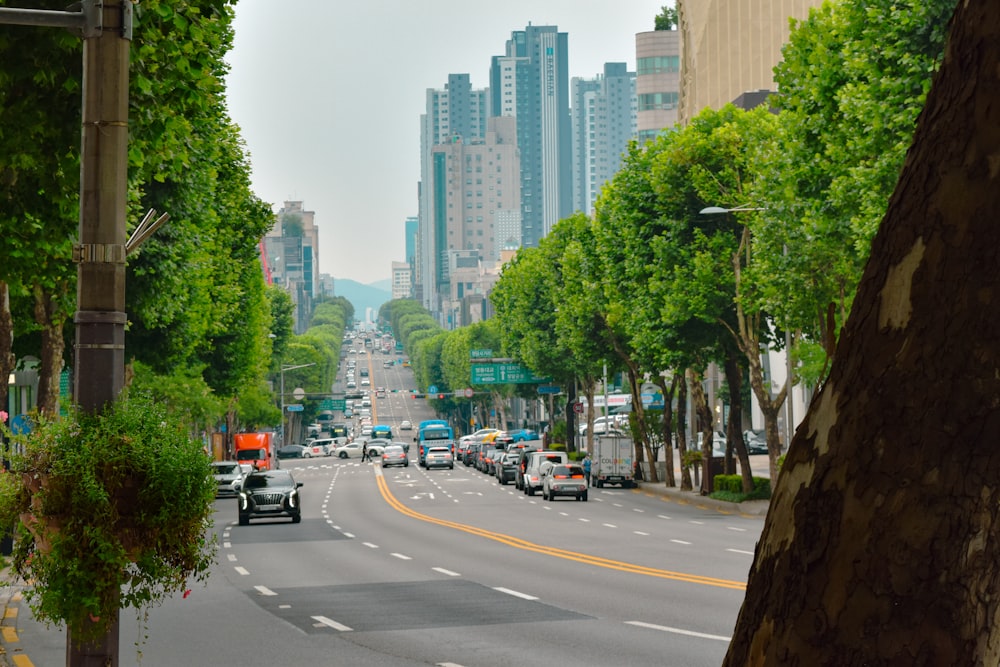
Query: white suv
537,463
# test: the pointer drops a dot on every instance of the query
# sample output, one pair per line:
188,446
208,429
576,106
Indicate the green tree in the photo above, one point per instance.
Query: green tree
881,546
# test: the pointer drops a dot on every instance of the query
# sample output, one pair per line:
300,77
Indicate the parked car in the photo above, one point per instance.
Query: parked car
439,457
756,442
269,493
522,434
291,452
507,467
536,465
406,425
488,460
225,473
564,480
394,455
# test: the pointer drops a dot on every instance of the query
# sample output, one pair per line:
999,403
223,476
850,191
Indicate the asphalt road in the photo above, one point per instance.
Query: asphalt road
414,567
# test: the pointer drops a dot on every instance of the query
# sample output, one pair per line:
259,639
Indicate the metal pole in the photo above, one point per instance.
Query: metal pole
790,427
100,317
282,405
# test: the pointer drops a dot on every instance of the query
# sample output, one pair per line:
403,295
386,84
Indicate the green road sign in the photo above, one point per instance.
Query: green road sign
503,374
328,404
338,404
481,354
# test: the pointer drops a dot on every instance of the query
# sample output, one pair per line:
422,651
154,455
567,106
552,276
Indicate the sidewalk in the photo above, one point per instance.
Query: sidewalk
11,651
750,508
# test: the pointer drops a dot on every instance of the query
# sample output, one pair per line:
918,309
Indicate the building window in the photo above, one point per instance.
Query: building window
658,65
654,101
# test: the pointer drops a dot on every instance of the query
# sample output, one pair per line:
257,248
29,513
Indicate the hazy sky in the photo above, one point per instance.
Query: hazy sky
328,94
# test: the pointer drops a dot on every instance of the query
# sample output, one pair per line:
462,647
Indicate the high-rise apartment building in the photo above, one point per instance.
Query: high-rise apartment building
401,282
603,123
729,47
474,191
292,251
657,84
531,83
455,114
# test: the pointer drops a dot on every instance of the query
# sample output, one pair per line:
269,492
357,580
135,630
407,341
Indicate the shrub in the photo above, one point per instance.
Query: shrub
112,510
730,487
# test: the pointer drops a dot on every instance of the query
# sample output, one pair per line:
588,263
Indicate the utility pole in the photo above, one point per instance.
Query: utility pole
99,373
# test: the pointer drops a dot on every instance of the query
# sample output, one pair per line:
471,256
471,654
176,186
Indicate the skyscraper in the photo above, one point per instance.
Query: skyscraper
603,122
456,113
531,83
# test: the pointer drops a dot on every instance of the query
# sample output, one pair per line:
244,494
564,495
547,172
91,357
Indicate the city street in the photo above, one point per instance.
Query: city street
446,567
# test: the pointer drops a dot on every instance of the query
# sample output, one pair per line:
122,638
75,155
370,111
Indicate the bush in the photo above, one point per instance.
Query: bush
112,510
730,487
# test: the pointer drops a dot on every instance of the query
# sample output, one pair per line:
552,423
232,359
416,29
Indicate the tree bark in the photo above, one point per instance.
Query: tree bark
682,395
882,544
704,414
667,425
734,424
50,316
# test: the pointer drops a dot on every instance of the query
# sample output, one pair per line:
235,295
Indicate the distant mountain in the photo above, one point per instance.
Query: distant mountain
363,296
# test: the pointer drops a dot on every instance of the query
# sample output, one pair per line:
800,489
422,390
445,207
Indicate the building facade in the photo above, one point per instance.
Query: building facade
292,251
657,84
729,47
455,114
531,83
603,117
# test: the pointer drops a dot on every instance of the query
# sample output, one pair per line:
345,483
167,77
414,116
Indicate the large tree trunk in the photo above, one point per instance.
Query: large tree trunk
704,414
734,423
882,545
666,430
682,395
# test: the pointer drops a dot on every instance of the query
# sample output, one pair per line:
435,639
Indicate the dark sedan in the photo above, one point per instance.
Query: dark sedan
269,493
291,452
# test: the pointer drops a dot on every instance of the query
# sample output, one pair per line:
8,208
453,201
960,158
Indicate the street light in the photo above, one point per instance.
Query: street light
283,369
790,426
715,210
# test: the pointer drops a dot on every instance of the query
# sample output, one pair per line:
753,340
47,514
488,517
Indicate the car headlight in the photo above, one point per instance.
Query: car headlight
243,501
292,497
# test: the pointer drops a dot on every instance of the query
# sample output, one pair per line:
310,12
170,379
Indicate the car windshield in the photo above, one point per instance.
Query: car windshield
250,454
436,434
226,468
439,450
394,449
273,479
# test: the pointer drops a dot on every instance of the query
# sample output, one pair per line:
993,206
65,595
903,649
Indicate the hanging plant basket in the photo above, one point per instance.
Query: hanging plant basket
110,511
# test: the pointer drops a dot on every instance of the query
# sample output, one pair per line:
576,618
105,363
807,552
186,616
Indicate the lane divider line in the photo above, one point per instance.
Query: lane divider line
587,559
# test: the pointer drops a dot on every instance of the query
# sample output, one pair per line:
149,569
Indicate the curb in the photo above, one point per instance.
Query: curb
11,654
749,509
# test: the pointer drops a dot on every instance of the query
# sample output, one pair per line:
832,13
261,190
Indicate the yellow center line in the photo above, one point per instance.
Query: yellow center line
586,559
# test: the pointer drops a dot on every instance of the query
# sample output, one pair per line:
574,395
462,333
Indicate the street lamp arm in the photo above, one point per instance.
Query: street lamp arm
292,368
715,210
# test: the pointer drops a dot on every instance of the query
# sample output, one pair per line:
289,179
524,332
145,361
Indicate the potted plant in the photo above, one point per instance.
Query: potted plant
109,511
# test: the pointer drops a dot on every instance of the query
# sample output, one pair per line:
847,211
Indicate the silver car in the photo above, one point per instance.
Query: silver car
439,457
564,480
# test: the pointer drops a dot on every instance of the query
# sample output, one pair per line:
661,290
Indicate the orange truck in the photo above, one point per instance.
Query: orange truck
254,448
